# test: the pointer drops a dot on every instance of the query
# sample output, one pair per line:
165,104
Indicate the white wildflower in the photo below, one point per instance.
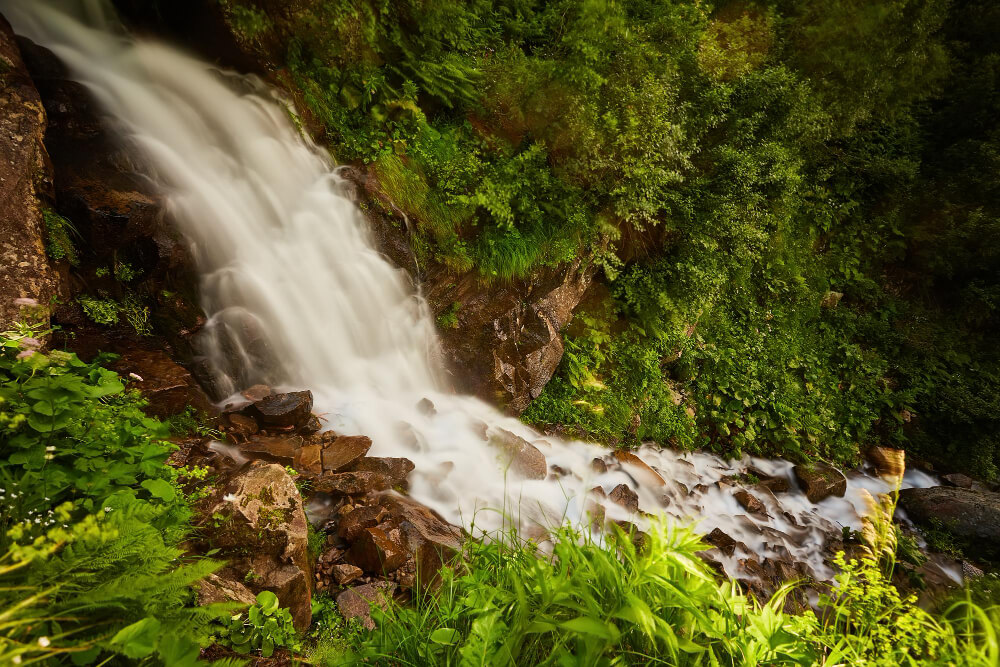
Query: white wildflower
229,498
135,376
44,642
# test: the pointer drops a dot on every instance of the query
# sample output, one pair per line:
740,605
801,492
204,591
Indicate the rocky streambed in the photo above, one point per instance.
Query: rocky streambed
278,470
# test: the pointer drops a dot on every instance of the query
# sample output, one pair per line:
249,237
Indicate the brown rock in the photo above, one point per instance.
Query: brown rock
25,179
625,496
519,455
378,551
959,480
433,542
599,466
726,544
396,469
257,392
750,502
167,385
646,475
292,409
279,448
426,407
352,483
261,506
353,523
888,462
218,588
967,513
820,480
344,451
240,425
308,459
345,573
357,602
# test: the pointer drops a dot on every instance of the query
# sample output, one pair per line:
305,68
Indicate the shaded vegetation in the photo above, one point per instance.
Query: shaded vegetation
794,205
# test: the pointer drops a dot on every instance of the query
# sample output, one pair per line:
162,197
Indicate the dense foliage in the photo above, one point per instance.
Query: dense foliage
91,520
792,204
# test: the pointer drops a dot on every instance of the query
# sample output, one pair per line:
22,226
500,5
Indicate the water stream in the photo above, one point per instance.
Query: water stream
296,296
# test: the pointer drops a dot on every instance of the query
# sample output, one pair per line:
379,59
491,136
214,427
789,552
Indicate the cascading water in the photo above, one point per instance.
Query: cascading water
297,296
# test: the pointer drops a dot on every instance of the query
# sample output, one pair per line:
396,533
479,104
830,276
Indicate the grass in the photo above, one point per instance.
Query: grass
590,603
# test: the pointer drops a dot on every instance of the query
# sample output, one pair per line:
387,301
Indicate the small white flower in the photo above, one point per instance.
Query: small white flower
135,376
16,660
50,448
25,301
44,642
229,498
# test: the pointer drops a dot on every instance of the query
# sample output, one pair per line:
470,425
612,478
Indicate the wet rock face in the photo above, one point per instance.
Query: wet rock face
290,410
519,455
167,385
968,513
888,462
504,343
820,480
25,179
263,535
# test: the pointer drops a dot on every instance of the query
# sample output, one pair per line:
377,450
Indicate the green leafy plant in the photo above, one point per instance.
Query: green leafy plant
263,627
58,231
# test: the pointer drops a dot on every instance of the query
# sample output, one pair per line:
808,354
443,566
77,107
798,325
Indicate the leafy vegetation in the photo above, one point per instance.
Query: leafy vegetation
263,627
588,603
793,205
91,521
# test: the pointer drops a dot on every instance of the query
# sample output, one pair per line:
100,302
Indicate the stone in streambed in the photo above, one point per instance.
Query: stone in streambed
283,410
888,462
281,448
750,502
352,483
257,392
820,480
308,459
396,469
625,496
646,473
378,550
344,451
240,425
345,573
520,455
967,513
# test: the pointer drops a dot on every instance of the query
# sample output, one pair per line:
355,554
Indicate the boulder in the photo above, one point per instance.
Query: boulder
519,455
356,603
352,483
257,392
750,502
216,588
280,448
967,513
167,385
723,542
345,573
959,480
379,550
344,451
283,410
25,181
357,520
308,460
396,469
646,475
625,496
888,462
431,540
820,480
239,425
257,523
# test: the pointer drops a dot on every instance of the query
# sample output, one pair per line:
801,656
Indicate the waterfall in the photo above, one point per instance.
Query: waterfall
297,296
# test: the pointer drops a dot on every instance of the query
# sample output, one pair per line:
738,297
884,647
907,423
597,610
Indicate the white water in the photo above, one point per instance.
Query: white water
297,297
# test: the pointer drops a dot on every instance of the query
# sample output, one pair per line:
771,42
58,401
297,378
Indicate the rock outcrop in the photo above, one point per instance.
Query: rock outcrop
257,523
25,180
820,480
970,514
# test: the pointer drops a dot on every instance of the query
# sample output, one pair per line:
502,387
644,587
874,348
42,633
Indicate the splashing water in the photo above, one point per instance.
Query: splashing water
297,296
